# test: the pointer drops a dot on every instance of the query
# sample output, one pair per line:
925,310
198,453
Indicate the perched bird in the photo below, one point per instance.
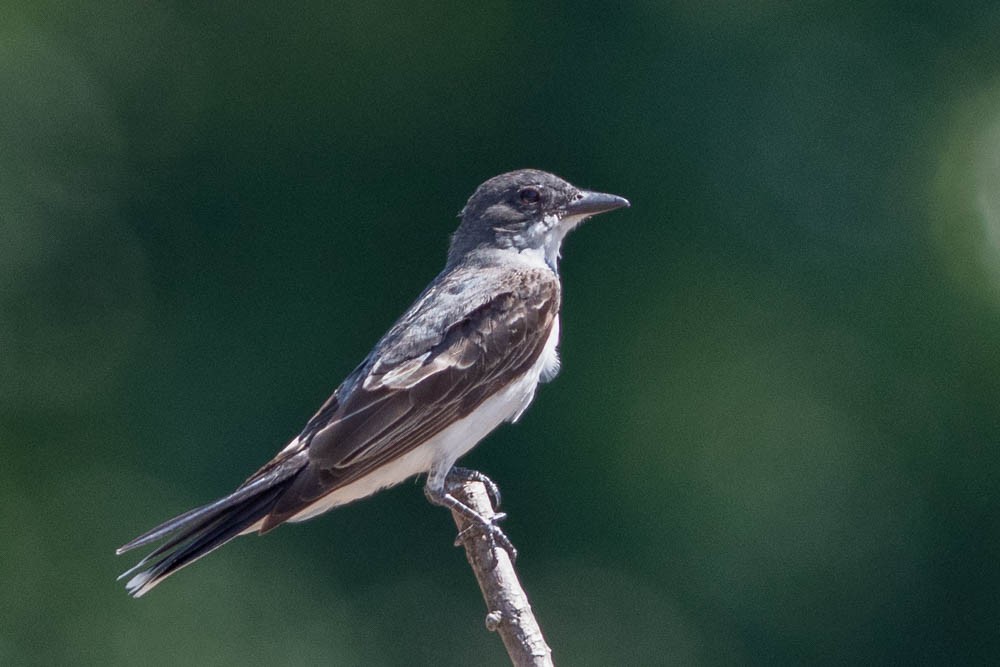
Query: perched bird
465,357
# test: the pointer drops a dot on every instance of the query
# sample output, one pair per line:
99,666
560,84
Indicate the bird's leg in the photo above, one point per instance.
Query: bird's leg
438,491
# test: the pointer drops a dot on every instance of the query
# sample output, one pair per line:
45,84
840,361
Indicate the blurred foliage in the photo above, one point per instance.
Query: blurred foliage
774,439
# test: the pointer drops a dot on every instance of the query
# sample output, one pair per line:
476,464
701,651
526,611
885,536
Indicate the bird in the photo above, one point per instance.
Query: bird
465,357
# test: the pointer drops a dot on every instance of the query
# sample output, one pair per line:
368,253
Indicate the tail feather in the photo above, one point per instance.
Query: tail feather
200,514
199,541
202,530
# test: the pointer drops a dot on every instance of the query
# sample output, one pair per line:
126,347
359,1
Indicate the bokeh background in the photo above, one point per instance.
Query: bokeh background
775,436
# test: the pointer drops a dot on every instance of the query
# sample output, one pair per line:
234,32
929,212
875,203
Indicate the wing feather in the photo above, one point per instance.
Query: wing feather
412,389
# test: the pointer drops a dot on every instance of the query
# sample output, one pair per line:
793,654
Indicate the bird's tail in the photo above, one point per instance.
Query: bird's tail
200,531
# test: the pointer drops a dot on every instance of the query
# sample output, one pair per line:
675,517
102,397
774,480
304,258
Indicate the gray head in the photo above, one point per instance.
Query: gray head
528,211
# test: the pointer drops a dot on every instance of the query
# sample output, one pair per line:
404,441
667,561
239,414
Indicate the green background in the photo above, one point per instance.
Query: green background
775,436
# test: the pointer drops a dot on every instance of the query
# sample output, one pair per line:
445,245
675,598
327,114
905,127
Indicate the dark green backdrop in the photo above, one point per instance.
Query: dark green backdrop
774,439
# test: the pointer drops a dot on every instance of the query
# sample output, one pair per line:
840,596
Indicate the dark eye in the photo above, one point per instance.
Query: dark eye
530,195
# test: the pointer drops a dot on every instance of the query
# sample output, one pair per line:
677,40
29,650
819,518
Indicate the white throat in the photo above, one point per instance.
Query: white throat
548,236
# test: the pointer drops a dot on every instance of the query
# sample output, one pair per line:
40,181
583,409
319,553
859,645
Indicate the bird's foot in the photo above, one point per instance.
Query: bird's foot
491,530
458,476
488,527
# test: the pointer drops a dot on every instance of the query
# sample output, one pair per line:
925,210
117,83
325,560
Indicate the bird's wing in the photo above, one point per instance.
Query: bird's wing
427,373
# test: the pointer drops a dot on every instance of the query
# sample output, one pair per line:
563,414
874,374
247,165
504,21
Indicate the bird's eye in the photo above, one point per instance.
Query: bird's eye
530,195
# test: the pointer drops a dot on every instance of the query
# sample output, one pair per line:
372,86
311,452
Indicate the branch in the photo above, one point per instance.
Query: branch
508,610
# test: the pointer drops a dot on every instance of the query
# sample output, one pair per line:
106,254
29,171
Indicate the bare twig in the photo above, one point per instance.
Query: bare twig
508,611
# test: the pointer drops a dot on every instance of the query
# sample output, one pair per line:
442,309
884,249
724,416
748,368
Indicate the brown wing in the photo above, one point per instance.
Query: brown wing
398,405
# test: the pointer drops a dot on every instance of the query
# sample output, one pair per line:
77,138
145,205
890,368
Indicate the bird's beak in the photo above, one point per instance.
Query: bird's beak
592,203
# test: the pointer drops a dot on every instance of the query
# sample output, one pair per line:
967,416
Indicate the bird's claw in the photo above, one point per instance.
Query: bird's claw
475,522
490,530
458,476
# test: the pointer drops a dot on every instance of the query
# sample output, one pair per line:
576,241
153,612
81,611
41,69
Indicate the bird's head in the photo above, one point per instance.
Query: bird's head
529,211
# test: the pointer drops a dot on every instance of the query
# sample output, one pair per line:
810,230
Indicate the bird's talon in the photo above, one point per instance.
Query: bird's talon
488,529
457,476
